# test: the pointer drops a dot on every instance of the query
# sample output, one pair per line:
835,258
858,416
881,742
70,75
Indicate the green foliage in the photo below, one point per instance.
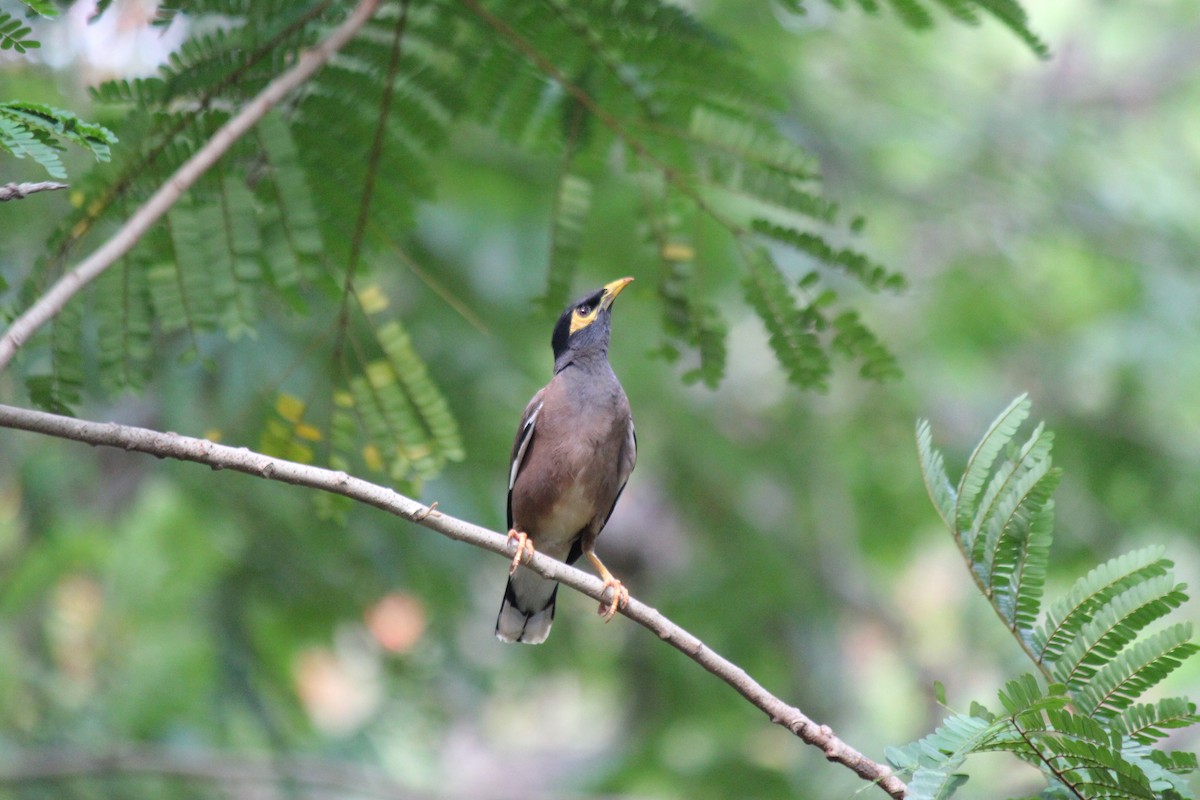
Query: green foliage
572,202
702,146
916,14
1086,729
14,34
296,213
687,319
45,8
38,131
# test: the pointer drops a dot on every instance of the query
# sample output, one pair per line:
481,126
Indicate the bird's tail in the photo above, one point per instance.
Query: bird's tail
528,608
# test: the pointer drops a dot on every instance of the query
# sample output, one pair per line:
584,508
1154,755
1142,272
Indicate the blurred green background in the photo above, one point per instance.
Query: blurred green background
1045,215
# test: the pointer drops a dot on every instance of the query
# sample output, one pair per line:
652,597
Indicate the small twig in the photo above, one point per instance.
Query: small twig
19,191
240,459
121,242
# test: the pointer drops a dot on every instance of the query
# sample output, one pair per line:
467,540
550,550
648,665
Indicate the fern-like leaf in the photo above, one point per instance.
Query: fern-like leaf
789,331
38,131
1014,563
1030,579
572,204
957,737
935,783
292,237
731,140
1147,722
1070,613
15,34
979,464
1086,730
933,470
1006,492
915,15
1121,682
870,274
858,343
124,316
1114,625
440,430
686,318
45,8
1168,772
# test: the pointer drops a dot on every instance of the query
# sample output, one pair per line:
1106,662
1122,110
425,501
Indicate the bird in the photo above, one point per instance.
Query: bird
574,451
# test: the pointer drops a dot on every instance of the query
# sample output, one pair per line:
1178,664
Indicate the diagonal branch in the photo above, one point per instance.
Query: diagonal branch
121,242
216,456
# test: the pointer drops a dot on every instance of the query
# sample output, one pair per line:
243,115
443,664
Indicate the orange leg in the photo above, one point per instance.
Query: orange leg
524,549
620,595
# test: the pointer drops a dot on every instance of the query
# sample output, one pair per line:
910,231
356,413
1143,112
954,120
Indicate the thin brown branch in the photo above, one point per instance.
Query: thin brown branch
121,242
368,191
239,775
19,191
240,459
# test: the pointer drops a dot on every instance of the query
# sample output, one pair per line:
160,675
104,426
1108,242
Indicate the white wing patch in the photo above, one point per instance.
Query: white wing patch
526,437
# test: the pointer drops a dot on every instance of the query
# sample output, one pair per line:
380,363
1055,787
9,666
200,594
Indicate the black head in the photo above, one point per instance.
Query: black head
584,326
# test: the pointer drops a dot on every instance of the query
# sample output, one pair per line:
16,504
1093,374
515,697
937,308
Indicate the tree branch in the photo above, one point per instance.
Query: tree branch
335,778
121,242
238,775
216,456
19,191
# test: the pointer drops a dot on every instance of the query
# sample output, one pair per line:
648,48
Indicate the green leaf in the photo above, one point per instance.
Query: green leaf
1070,613
39,131
14,34
1116,624
1014,568
572,204
45,8
946,748
870,274
1007,493
1121,682
933,470
440,427
997,437
20,141
790,332
1147,722
934,783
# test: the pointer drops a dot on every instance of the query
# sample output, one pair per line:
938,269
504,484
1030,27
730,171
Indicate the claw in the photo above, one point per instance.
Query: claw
524,549
620,599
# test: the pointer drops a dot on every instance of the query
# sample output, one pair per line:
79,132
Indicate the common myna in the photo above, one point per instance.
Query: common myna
574,451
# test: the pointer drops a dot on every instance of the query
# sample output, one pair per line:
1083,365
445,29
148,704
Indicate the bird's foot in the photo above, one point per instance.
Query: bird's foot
524,549
620,598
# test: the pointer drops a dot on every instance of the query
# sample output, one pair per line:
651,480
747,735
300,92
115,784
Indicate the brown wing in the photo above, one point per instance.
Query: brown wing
520,446
628,461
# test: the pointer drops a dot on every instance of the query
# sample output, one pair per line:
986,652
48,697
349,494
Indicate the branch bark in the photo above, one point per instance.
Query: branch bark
19,191
121,242
241,459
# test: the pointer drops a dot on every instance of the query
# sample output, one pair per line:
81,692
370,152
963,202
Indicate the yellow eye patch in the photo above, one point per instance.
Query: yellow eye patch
580,321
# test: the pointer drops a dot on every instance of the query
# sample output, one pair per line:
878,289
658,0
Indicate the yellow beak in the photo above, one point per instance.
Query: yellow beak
611,290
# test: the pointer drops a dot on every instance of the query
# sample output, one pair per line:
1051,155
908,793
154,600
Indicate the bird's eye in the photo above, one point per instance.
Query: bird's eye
584,309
